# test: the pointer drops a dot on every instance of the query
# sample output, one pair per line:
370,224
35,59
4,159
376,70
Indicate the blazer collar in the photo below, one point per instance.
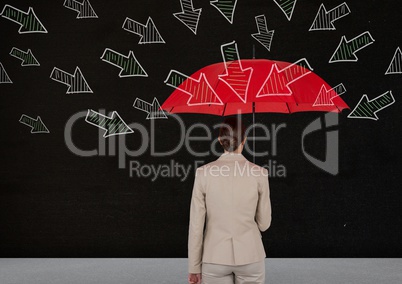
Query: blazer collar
231,156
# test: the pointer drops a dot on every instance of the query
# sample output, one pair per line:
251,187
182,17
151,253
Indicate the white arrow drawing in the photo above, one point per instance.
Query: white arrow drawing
37,125
189,16
28,59
76,83
325,96
28,21
324,20
287,7
4,76
346,50
84,9
129,65
264,36
395,67
226,8
113,125
367,109
148,33
200,90
237,78
153,110
278,81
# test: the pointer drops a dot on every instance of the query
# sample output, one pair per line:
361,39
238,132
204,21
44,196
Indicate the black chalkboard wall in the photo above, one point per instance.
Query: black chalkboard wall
56,202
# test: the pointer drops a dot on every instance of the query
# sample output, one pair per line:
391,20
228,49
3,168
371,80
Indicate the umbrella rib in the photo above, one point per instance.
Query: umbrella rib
288,107
224,108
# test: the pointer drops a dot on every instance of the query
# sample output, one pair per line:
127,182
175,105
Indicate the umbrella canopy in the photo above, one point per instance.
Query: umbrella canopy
252,85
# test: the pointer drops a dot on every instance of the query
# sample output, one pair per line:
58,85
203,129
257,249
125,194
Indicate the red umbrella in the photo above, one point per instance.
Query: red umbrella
251,85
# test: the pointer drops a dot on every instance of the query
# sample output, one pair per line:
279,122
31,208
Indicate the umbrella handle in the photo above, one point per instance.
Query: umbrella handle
254,132
253,116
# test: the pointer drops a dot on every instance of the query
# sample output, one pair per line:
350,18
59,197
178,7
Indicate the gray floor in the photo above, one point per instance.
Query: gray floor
168,270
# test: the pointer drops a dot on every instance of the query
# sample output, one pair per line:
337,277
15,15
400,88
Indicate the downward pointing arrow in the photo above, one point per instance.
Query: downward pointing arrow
189,16
368,109
76,83
325,96
27,57
226,8
200,91
264,36
148,33
325,20
29,22
236,77
36,124
84,9
287,7
113,125
278,81
128,64
153,109
347,48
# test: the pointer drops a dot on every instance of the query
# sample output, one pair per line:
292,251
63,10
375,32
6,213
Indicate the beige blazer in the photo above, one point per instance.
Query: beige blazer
231,198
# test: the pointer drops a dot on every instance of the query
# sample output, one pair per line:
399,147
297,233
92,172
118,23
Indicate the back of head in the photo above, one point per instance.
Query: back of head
232,133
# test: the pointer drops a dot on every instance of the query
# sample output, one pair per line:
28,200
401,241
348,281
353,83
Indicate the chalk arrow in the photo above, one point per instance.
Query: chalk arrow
345,52
200,91
76,83
36,124
189,17
278,81
27,57
113,125
287,7
4,76
368,109
29,22
153,109
236,77
226,8
325,96
148,33
129,65
264,36
325,20
84,9
395,67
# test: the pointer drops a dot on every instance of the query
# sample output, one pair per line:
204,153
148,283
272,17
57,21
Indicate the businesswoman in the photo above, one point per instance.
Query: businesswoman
231,198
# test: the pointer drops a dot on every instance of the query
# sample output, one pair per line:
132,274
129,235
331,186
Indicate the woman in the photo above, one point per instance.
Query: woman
231,198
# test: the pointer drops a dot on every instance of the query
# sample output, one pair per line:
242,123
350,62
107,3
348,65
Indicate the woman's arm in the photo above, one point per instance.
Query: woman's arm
196,227
263,214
